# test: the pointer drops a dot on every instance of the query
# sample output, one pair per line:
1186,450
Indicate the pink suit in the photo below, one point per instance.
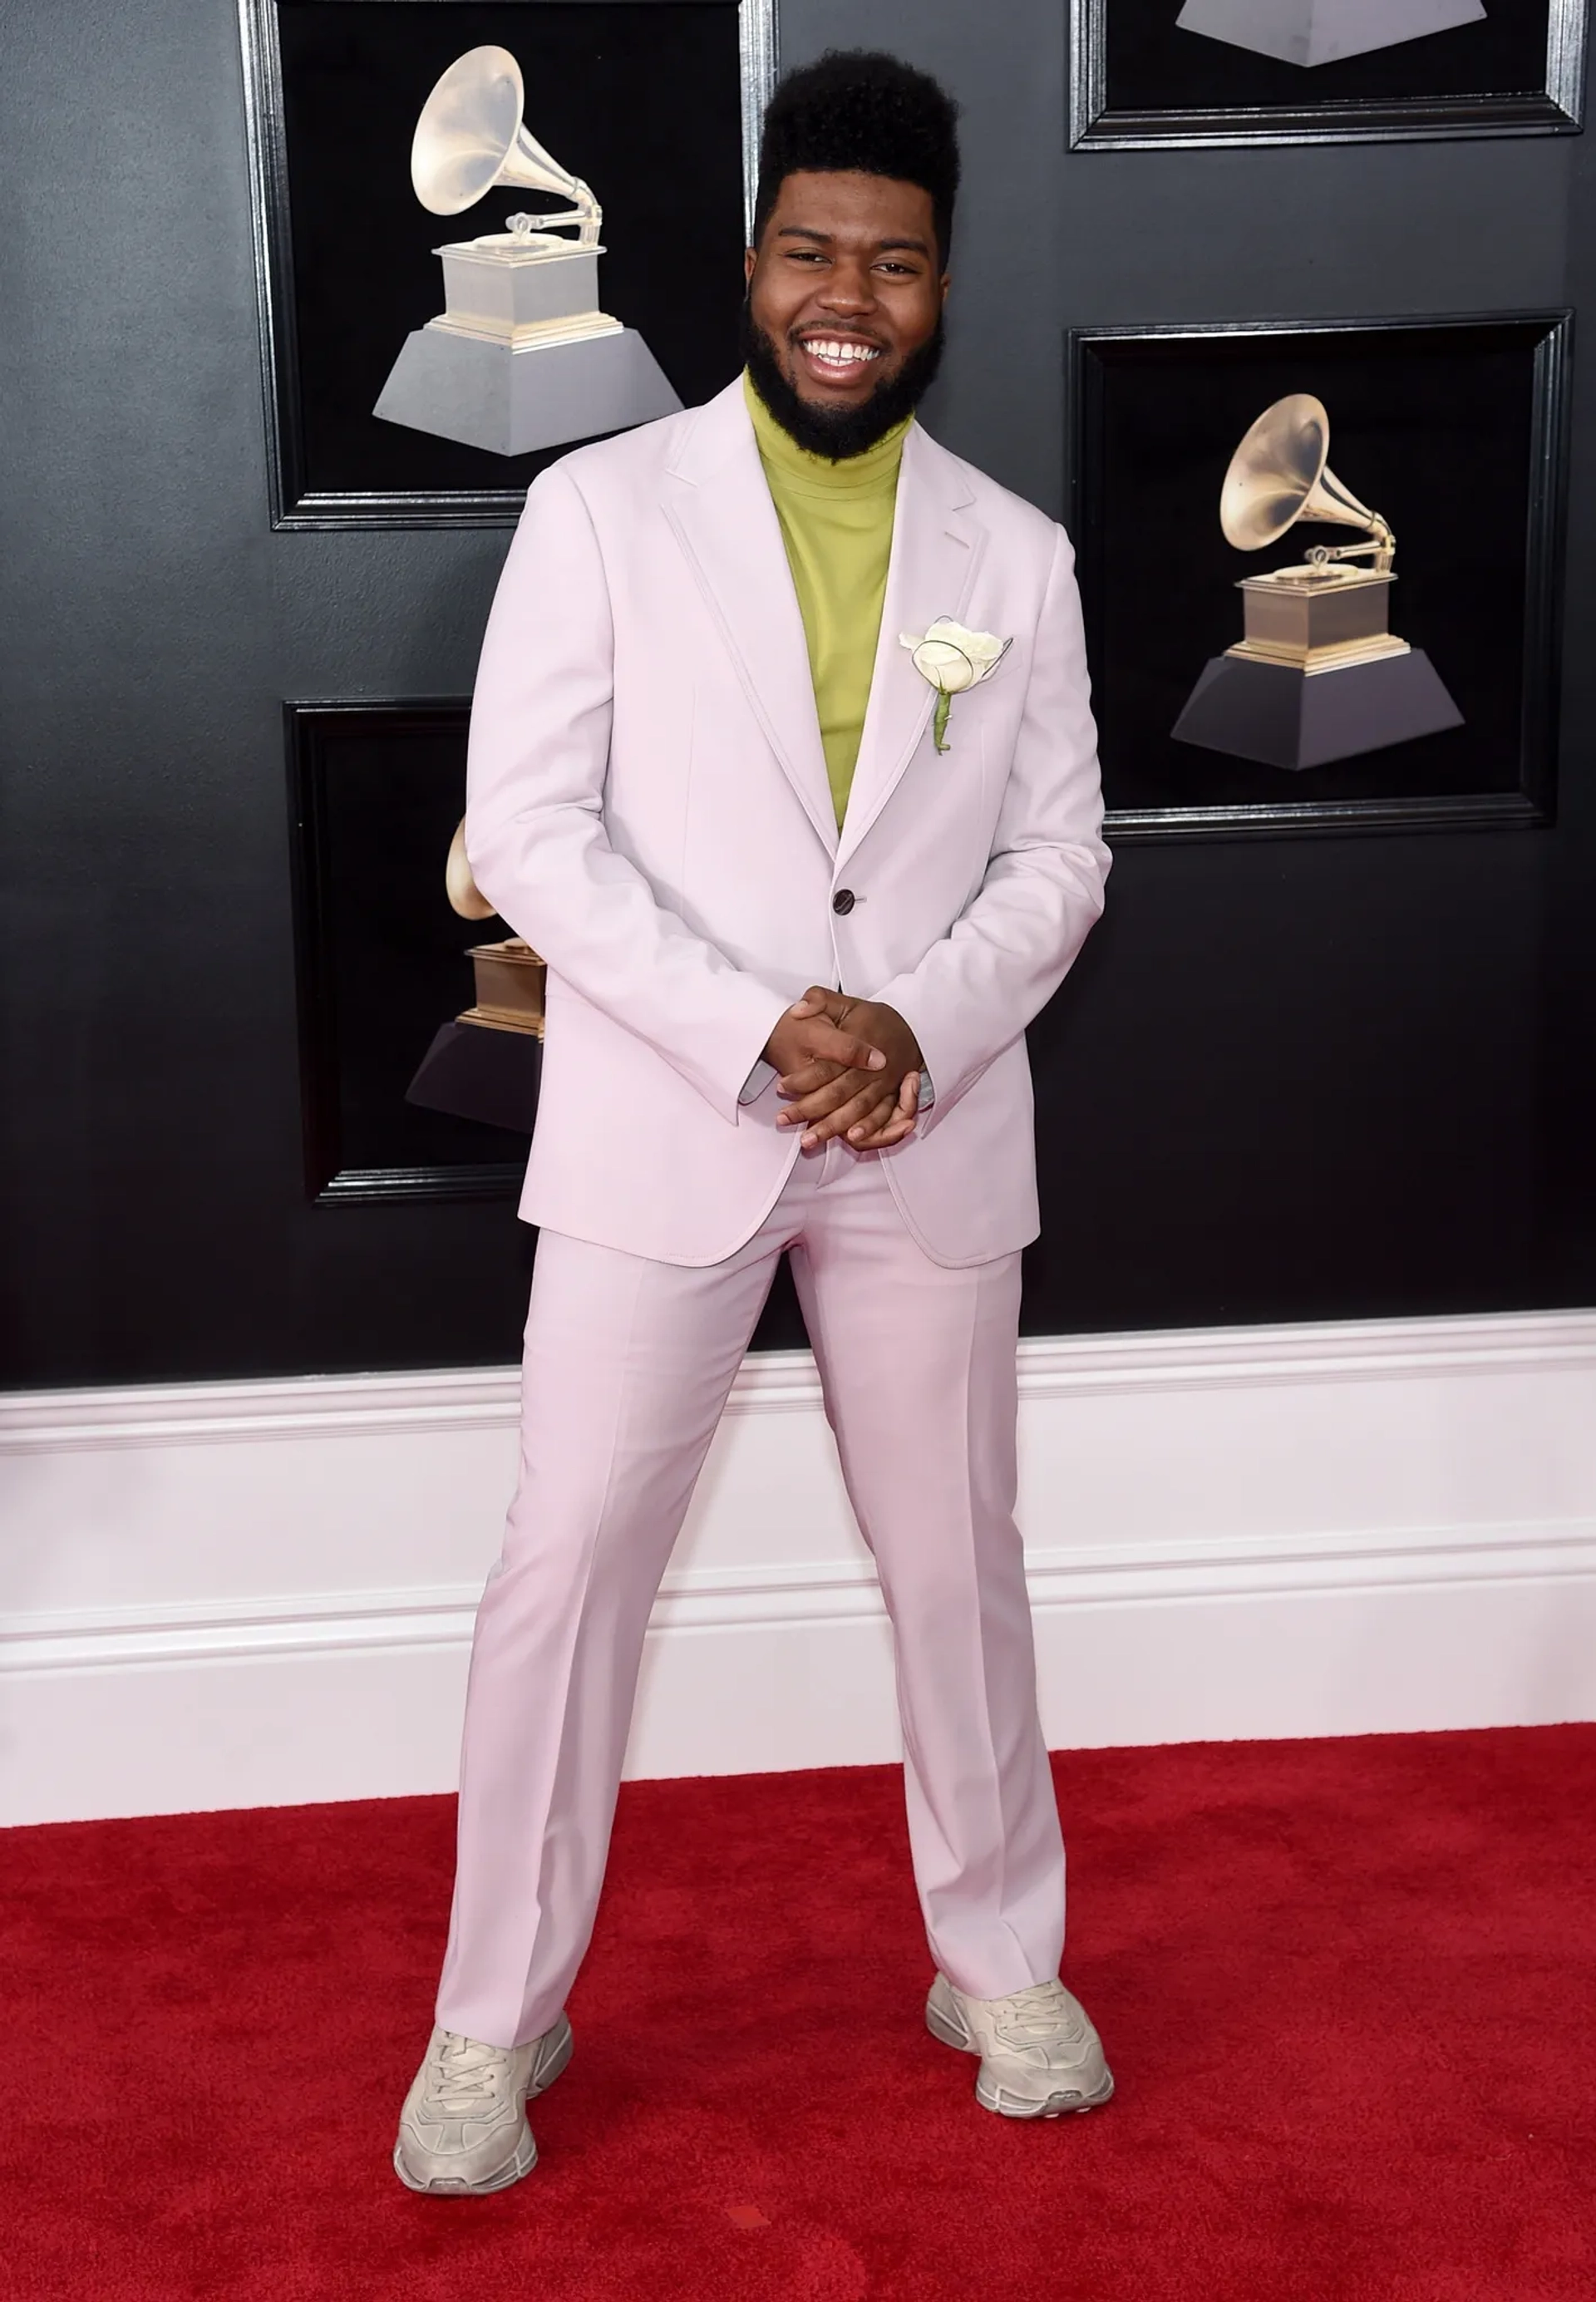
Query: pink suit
649,807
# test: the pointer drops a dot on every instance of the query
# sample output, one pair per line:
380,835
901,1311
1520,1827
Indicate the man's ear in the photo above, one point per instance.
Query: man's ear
947,281
750,257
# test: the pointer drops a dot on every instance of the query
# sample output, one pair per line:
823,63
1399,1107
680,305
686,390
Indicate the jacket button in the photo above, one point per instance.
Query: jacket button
843,901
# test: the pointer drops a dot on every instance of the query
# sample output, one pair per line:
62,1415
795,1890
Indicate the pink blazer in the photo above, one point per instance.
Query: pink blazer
648,807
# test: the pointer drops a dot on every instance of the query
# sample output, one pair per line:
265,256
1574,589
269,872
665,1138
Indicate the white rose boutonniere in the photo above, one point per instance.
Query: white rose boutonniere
951,659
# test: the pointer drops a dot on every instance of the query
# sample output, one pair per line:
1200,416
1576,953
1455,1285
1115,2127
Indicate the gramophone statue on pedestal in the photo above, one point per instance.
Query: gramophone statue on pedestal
1318,676
486,1064
521,358
1322,31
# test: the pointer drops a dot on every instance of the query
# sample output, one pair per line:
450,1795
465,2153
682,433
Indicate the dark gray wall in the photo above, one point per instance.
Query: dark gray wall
1291,1079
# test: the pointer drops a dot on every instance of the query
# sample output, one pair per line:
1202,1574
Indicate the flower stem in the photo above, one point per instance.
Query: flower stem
939,720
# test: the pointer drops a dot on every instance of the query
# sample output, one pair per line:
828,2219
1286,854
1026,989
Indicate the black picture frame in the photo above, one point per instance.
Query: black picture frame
376,788
1109,111
1166,519
441,484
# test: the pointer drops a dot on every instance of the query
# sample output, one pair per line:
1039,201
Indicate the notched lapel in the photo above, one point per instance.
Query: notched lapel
936,551
719,505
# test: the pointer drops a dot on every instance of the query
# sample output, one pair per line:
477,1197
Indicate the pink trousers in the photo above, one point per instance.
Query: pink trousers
628,1363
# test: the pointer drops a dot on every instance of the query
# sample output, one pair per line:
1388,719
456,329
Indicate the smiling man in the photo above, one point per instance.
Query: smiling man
781,754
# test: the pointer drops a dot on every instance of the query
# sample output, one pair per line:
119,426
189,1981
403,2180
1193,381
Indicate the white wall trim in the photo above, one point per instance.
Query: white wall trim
841,1589
248,1592
1055,1367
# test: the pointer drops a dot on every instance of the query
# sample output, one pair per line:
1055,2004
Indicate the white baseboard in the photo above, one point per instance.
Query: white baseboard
232,1594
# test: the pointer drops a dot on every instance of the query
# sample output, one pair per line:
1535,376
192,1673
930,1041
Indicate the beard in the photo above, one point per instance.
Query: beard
837,433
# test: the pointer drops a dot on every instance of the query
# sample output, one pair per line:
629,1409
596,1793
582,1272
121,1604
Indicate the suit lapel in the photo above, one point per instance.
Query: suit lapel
936,548
719,502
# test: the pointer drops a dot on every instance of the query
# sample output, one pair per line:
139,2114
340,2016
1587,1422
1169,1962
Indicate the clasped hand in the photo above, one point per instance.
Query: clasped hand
848,1067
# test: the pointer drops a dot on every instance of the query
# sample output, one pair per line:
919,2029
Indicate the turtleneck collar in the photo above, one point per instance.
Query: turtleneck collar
876,467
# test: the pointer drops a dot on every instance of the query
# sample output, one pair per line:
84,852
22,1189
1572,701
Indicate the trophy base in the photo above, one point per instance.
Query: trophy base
511,401
1285,718
473,1070
510,977
1322,31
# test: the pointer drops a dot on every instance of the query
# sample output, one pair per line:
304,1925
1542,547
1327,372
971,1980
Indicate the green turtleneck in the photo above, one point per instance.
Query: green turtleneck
836,523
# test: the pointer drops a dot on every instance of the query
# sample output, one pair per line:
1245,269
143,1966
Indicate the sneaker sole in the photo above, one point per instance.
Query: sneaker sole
1066,2103
516,2169
1056,2105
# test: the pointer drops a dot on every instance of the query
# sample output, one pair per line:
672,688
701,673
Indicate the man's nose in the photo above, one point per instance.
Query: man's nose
850,289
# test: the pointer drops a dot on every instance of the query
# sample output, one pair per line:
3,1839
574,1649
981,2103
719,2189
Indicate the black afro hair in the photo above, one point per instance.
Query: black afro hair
856,108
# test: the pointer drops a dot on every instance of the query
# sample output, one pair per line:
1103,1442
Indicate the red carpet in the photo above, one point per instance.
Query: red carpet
1347,1989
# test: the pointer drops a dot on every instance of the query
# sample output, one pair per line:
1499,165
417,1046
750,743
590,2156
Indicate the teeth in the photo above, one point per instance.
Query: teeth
841,354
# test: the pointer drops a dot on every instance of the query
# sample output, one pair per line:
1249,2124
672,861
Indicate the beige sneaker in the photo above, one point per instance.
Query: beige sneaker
1039,2054
463,2129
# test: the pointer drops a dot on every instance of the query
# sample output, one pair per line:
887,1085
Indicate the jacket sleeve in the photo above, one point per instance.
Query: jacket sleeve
534,827
975,990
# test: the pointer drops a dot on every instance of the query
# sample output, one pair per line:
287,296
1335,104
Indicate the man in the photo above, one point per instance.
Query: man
798,908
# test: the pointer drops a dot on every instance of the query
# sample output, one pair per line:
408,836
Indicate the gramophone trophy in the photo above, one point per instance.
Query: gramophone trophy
1322,31
486,1065
521,357
1318,676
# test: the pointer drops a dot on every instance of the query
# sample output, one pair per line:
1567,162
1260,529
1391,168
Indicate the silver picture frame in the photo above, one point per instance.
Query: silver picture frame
293,504
1526,797
1555,108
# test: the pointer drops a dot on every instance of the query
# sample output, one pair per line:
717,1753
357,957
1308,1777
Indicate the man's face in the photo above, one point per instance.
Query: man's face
845,285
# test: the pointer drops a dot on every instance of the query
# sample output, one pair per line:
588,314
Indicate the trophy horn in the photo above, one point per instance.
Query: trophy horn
465,896
1281,474
471,135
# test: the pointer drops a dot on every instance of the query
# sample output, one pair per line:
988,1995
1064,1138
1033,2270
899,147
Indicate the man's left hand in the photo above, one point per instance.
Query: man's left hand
873,1110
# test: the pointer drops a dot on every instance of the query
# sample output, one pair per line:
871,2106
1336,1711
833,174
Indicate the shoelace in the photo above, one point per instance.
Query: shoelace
1039,2013
464,2076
